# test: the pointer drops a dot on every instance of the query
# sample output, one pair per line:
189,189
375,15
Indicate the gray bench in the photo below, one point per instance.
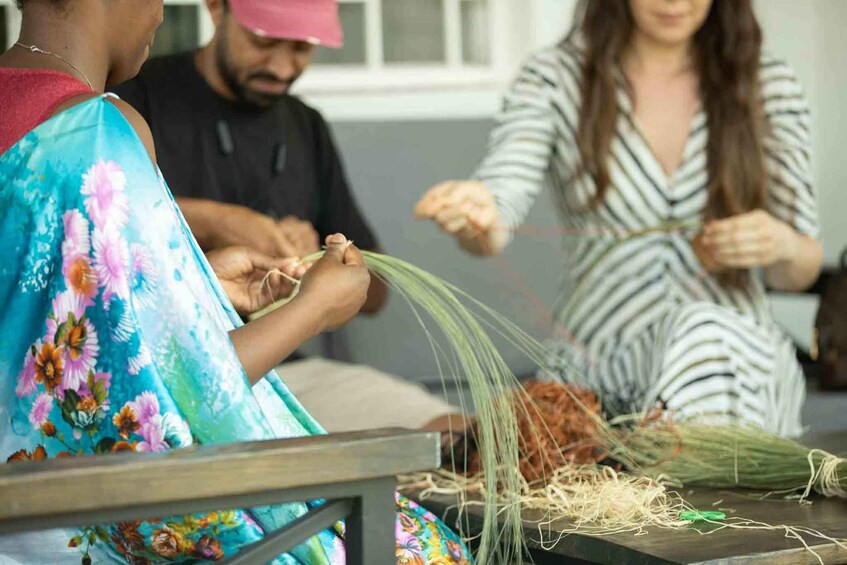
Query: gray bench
354,473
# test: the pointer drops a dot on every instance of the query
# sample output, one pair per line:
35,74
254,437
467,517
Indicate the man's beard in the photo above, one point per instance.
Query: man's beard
242,91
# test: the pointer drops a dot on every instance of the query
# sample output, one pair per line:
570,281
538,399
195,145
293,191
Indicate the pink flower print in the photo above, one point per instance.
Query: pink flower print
111,262
408,549
69,329
77,241
104,185
106,378
40,412
154,436
26,378
146,407
65,304
337,554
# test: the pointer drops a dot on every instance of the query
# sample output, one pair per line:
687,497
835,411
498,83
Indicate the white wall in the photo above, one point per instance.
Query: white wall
810,35
830,76
552,19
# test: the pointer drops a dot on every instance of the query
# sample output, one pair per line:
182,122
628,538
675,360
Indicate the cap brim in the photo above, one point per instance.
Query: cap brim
315,25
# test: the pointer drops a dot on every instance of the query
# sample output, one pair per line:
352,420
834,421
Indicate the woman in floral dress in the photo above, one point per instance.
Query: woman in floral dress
115,334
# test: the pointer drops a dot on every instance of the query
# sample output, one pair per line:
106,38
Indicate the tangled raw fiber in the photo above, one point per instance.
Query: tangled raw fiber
561,423
557,426
595,499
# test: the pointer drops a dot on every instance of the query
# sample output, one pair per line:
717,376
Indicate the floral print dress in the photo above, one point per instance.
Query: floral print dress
114,337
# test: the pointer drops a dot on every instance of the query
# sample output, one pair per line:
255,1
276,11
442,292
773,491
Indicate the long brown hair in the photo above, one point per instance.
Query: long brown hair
726,51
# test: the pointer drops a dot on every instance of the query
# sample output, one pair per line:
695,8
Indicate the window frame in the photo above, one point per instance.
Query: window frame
428,91
13,22
453,90
204,22
377,76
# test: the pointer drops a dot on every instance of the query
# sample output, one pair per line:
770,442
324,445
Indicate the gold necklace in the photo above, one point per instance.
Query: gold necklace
34,49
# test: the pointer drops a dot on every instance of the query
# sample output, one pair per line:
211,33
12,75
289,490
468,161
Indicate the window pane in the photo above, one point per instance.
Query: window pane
413,31
475,27
4,40
353,53
179,31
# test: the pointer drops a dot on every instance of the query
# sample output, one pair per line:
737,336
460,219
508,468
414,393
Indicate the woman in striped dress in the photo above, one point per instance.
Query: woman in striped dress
679,154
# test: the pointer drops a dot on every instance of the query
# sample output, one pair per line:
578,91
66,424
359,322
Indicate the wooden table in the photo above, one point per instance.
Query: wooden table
658,546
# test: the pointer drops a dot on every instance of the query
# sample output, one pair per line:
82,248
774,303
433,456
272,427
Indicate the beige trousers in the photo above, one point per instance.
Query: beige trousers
344,397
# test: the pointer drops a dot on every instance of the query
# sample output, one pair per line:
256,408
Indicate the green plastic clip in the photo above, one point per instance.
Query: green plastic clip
702,516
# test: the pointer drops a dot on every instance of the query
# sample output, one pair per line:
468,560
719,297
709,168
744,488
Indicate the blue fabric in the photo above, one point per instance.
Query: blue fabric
114,337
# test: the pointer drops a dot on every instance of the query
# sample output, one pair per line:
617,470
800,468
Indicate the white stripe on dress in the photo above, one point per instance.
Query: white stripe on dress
651,326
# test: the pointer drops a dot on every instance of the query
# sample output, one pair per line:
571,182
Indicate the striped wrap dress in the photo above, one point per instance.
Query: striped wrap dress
646,326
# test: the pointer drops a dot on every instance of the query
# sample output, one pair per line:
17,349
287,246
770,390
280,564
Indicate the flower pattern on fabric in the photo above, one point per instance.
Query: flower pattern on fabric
114,338
111,258
106,203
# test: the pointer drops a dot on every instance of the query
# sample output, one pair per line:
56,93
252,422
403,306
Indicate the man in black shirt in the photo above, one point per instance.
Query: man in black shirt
251,165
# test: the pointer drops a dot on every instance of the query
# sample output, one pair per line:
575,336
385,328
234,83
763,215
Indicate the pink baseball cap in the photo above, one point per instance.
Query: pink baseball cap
313,21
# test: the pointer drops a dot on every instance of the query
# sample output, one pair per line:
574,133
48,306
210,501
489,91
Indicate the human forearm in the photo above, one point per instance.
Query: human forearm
204,219
262,344
801,267
220,224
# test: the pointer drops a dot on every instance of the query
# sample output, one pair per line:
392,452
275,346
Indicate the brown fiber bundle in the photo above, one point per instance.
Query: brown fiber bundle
557,426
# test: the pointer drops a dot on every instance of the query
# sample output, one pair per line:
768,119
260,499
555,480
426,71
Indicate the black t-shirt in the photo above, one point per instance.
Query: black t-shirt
279,161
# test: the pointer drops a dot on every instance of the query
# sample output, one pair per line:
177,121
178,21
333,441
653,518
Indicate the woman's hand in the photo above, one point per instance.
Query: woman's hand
243,274
791,261
746,241
466,210
337,284
331,292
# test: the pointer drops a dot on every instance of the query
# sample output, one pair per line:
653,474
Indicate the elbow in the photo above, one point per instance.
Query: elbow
800,274
815,265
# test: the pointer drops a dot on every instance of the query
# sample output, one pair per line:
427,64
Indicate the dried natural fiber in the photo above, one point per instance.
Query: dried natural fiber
730,456
537,448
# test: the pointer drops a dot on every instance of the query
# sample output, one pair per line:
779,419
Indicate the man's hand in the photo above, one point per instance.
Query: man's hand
300,235
243,273
217,225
